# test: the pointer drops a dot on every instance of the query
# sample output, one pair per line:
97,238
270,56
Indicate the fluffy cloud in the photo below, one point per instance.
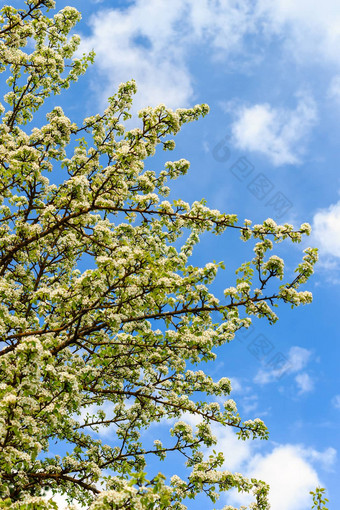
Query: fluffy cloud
236,452
249,403
290,474
236,384
290,469
334,89
326,459
336,401
326,230
139,43
60,500
304,383
277,133
150,41
297,359
309,28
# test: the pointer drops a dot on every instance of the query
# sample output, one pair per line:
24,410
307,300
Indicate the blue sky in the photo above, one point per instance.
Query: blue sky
270,72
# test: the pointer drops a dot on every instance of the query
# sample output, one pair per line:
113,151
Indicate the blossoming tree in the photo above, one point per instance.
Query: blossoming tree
119,336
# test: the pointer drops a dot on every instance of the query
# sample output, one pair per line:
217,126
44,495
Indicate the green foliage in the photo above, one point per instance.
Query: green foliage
319,501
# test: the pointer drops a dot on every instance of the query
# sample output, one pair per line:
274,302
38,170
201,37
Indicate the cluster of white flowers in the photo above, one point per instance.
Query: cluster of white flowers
79,350
296,298
274,265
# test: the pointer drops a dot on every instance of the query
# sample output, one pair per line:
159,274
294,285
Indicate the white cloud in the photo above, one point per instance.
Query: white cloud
334,88
304,383
277,133
151,39
326,230
222,24
236,452
249,403
289,469
138,43
310,28
297,359
235,384
60,499
326,459
336,401
289,475
267,376
191,419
